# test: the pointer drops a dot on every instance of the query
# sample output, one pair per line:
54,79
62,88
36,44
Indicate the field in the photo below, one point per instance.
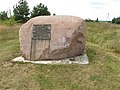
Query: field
102,73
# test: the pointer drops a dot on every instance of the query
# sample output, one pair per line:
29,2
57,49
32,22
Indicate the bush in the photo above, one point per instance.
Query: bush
3,15
89,20
116,20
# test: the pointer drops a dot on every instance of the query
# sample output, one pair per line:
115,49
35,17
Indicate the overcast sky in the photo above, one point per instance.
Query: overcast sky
83,8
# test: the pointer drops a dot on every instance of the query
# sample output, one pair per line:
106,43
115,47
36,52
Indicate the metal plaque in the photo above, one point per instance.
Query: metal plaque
42,32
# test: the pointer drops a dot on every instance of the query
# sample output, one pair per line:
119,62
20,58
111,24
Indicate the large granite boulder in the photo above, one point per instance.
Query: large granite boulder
52,37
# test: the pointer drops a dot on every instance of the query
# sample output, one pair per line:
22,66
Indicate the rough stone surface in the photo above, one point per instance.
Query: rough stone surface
67,38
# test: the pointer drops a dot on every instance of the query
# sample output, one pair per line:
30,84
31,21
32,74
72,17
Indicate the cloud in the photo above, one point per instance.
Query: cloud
115,0
97,3
96,7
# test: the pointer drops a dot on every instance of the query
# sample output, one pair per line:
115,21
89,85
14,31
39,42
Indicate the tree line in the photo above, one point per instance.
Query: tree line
114,20
21,12
90,20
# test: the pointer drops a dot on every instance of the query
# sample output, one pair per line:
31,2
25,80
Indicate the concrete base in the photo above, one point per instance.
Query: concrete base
83,59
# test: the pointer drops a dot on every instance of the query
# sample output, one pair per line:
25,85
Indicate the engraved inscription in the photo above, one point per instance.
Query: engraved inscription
42,32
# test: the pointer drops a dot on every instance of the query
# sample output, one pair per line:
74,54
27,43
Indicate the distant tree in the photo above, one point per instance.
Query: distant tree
116,20
113,20
54,14
97,20
3,15
40,10
21,11
89,20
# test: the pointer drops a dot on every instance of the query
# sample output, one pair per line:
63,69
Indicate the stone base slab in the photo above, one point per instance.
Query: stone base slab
83,59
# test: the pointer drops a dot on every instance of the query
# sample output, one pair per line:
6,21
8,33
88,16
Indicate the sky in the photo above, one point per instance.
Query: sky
92,9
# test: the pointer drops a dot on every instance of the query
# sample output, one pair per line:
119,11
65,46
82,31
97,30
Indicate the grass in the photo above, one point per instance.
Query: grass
104,34
9,44
103,72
